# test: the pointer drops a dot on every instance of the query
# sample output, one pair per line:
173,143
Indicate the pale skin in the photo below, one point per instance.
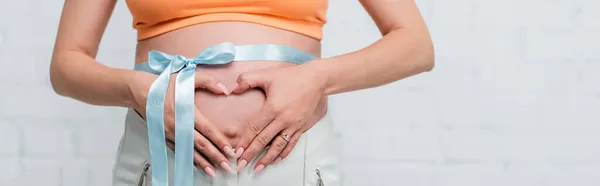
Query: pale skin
404,50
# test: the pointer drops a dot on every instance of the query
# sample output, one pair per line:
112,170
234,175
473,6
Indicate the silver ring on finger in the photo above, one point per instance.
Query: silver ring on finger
285,136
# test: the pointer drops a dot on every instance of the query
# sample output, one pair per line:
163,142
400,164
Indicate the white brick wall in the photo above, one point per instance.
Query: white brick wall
514,99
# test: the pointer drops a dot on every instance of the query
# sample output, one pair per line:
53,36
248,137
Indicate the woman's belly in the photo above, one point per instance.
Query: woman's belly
229,113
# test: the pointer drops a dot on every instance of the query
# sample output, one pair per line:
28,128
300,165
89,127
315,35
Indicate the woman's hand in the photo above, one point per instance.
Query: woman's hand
292,95
206,133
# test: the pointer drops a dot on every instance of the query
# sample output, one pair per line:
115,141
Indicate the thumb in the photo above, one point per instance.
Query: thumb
249,80
211,84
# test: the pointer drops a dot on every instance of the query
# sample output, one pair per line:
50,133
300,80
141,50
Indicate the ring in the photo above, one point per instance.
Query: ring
285,137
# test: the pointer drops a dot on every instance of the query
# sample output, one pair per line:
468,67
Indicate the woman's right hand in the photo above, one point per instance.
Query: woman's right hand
206,135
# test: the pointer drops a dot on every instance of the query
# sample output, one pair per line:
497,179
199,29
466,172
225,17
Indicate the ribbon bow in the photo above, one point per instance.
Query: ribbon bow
166,64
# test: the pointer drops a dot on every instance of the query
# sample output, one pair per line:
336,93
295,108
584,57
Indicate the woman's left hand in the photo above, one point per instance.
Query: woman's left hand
292,95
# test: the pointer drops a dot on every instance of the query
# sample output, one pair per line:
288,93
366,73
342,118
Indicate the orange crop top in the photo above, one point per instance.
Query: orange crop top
155,17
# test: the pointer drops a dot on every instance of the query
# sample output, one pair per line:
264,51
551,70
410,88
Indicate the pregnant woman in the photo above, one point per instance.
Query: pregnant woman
231,92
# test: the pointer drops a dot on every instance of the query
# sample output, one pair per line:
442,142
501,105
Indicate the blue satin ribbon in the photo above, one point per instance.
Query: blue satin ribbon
164,65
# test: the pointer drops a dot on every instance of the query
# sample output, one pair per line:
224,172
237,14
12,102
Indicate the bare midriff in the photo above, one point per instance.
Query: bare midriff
231,114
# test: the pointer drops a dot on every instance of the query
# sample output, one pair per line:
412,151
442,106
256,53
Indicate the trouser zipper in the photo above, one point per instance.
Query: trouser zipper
145,168
319,179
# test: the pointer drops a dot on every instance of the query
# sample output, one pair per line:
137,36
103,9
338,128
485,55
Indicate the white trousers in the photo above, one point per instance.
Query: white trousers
314,161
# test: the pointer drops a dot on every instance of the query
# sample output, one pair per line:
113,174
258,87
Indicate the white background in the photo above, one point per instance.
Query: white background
514,99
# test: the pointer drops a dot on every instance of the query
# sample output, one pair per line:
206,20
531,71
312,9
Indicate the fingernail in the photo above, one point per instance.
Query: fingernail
229,151
223,88
226,166
239,153
209,171
241,165
277,160
259,168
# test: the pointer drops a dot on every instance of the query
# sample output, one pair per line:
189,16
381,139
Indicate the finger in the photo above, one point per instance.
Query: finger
255,127
277,145
247,81
211,84
204,164
169,135
171,145
208,130
210,151
261,140
288,148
